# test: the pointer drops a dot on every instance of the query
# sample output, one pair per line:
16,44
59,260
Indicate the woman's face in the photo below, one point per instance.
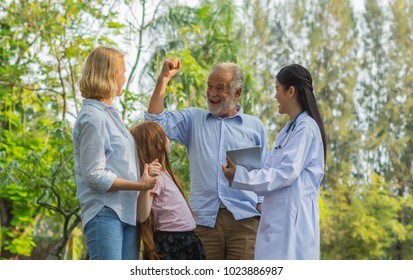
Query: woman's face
281,97
120,76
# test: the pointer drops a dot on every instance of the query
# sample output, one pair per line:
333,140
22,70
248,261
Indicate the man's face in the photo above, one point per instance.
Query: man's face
220,100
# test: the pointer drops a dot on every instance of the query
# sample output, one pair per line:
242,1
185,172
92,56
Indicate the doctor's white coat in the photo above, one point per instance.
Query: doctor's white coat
290,181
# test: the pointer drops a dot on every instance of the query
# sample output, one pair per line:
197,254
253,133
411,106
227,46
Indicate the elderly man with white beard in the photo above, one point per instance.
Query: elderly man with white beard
227,219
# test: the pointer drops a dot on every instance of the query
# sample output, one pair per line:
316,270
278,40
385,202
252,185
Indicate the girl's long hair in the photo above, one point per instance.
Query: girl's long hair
150,139
299,77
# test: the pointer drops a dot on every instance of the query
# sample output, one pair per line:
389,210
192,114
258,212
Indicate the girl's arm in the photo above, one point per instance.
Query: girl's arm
145,200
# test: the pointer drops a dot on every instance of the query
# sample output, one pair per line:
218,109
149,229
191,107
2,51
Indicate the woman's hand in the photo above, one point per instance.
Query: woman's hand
229,169
147,180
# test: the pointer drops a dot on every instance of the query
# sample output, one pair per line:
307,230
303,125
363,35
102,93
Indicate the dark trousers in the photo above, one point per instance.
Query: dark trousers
178,245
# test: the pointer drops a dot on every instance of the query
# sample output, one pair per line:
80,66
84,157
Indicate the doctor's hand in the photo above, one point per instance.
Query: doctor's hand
259,207
229,169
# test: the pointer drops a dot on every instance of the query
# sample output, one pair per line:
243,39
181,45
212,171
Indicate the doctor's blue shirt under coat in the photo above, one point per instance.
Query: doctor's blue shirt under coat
290,181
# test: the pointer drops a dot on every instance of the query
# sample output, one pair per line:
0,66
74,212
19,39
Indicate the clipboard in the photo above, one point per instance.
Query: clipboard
249,157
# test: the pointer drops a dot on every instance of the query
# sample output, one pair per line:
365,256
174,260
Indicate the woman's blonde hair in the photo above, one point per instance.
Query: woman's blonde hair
98,80
151,142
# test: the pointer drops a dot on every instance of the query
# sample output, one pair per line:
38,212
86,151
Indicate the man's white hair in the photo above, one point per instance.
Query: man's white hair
237,74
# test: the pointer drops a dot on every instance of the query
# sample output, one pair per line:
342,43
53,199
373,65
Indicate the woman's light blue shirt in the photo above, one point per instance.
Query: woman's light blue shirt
104,149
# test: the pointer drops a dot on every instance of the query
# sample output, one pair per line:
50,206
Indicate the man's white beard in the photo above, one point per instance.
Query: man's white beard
223,108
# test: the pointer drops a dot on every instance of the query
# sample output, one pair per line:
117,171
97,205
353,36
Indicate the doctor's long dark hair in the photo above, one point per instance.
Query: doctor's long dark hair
300,78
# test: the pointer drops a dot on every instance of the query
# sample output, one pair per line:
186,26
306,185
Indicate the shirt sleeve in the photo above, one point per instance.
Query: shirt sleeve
264,154
158,187
92,155
177,124
294,155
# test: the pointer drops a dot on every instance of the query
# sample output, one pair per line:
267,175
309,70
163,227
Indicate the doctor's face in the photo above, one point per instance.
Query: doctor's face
281,97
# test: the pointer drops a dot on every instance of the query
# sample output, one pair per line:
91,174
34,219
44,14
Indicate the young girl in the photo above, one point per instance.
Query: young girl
167,226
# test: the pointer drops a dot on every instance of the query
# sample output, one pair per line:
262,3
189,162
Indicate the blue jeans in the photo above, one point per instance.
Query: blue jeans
108,238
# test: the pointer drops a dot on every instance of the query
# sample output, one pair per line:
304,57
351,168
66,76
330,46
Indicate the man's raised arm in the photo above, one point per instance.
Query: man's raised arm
170,67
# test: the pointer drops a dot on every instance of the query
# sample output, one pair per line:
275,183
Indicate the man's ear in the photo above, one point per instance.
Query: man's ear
238,92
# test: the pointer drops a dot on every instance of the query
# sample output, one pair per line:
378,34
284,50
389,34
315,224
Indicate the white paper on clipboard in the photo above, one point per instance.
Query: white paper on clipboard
249,157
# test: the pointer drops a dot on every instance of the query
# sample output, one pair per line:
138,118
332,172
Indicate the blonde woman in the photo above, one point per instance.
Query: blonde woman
107,171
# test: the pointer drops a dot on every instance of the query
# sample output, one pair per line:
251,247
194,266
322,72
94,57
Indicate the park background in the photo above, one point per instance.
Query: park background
359,52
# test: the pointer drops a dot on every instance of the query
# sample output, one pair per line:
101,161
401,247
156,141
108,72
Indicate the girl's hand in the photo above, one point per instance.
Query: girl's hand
154,168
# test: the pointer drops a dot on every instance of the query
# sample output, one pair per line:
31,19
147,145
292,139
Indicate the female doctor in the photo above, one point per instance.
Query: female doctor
291,175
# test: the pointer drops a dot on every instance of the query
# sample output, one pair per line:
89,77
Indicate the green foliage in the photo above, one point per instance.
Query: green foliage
39,183
362,224
42,47
18,239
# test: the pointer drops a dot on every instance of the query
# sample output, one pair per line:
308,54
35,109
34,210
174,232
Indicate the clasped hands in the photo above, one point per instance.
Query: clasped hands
150,174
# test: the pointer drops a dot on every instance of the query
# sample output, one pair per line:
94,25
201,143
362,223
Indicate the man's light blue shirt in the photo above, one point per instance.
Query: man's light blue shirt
207,139
104,149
